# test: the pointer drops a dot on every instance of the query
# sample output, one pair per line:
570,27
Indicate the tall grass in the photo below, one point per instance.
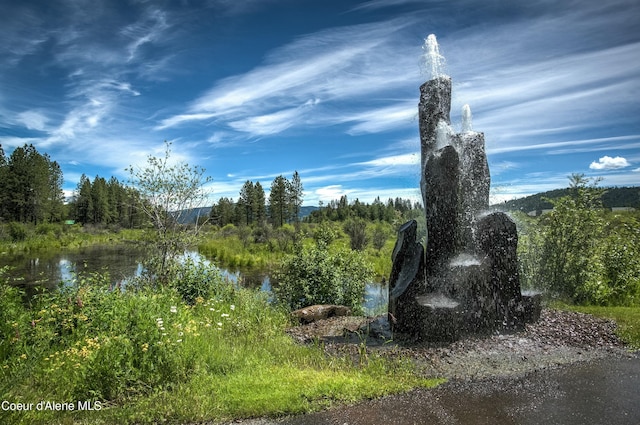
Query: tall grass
147,356
19,238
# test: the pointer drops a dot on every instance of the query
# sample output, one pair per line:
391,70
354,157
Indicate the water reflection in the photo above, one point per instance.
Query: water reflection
121,263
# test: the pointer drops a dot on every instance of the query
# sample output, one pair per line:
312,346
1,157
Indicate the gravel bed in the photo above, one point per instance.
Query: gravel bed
559,337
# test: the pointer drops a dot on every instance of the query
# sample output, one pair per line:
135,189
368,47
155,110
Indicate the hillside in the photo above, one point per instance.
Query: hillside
613,197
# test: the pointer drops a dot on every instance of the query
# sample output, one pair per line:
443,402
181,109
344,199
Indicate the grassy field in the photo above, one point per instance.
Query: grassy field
146,356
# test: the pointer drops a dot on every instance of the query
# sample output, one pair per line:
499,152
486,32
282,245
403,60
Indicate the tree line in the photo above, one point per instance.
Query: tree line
30,187
392,211
283,206
105,202
31,192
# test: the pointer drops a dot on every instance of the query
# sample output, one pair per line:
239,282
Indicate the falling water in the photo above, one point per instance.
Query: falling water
433,60
466,119
444,133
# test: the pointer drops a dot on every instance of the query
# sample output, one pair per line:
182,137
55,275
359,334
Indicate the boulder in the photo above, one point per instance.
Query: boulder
317,312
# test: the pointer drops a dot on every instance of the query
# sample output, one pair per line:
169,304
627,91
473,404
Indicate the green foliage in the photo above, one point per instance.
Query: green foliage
394,212
170,192
200,280
581,253
30,186
324,234
17,231
615,276
380,232
314,275
148,357
356,229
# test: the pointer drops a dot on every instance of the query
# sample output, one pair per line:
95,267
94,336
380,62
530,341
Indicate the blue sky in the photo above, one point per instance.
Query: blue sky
251,89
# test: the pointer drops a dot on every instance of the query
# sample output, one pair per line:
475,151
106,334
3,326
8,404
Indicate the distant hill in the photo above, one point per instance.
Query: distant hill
613,197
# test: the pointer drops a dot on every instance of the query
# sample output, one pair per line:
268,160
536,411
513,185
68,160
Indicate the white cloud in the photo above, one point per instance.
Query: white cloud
331,192
408,159
33,120
609,163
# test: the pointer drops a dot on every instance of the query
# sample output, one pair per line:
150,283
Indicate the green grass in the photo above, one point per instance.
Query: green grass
627,318
148,357
52,237
229,251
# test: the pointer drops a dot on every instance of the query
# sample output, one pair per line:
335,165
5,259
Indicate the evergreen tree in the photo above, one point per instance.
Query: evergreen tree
245,202
3,188
258,208
82,201
295,197
100,201
32,186
278,205
223,212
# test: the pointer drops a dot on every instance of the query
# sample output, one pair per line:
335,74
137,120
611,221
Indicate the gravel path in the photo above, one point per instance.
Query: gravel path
558,339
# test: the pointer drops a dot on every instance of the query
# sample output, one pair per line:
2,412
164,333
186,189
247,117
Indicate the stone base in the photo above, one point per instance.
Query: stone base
442,318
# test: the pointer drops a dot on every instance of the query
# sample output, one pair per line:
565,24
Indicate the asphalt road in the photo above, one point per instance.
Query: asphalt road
599,392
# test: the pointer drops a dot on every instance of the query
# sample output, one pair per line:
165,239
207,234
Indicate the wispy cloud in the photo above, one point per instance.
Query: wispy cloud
578,143
338,64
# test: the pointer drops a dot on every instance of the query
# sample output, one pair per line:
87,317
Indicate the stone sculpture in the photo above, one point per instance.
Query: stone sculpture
465,279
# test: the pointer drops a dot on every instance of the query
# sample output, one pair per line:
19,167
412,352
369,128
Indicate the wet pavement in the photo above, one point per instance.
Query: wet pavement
605,391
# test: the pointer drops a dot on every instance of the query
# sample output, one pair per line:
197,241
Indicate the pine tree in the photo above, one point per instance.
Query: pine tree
32,186
245,203
82,200
3,185
258,207
295,197
278,205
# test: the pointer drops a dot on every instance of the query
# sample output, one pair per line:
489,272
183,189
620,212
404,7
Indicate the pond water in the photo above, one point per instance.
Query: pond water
125,261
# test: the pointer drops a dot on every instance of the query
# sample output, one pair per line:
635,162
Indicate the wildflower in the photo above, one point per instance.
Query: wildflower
199,300
179,340
232,307
224,315
23,356
145,347
174,309
212,309
219,324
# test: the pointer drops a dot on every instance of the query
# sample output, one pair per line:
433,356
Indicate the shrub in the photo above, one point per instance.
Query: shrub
315,276
17,231
200,280
356,229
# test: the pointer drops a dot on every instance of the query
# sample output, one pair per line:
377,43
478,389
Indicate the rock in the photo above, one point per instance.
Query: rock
320,311
498,239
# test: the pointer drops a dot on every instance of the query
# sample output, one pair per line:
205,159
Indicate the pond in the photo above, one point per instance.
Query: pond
125,261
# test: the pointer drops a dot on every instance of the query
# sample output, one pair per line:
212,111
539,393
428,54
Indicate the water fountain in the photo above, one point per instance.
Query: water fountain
465,279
